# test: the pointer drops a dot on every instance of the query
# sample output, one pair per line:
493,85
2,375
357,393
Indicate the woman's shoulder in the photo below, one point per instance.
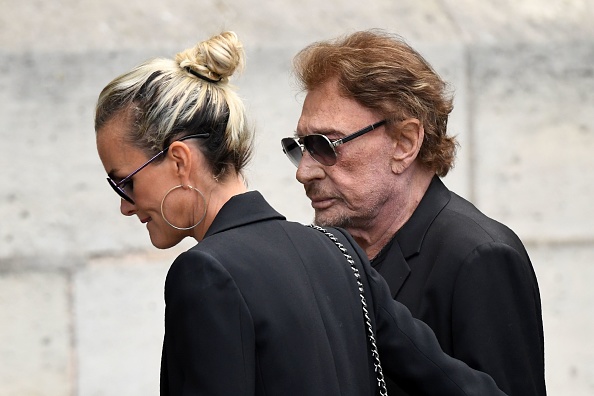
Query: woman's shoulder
195,270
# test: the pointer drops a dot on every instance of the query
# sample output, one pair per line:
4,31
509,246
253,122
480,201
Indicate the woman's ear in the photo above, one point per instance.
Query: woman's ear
182,164
408,137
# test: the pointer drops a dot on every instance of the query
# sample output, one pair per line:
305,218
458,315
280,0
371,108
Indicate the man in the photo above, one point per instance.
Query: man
467,276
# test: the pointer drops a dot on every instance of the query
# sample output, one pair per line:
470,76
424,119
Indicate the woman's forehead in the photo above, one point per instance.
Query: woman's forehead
116,152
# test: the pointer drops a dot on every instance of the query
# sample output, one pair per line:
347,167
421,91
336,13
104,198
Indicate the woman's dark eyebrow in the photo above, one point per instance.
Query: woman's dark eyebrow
112,175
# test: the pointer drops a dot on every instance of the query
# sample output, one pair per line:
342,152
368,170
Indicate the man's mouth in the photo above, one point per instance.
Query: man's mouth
319,203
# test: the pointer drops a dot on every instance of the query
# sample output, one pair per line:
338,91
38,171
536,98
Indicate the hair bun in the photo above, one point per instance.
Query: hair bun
215,59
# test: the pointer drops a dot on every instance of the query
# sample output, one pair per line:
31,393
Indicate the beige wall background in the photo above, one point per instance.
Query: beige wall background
81,306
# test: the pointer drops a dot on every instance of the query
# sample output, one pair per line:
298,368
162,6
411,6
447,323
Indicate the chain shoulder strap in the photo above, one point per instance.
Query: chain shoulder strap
374,352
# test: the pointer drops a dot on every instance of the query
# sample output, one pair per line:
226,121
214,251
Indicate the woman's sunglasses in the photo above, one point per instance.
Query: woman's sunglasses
121,186
321,149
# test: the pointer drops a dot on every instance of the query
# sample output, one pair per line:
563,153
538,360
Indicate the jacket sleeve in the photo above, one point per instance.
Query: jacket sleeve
408,349
209,337
496,319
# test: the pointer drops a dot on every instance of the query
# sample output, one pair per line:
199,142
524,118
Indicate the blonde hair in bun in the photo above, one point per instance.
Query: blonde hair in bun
168,99
216,59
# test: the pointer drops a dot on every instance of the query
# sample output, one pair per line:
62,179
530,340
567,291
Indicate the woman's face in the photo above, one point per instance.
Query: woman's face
147,187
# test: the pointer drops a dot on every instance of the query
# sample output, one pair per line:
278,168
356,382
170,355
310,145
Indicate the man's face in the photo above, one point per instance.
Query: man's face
352,192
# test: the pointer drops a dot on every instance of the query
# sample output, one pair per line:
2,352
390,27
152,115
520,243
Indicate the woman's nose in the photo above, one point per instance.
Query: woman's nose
127,208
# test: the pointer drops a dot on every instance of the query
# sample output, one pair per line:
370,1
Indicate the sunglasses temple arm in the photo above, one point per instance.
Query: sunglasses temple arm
197,135
124,180
358,133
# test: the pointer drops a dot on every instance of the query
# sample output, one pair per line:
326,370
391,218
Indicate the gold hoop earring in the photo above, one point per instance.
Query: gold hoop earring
163,203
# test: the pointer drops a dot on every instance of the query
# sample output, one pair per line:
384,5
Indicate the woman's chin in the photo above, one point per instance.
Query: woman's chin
163,242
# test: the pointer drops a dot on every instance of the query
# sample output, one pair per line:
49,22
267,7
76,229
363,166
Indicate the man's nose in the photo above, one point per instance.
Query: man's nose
309,169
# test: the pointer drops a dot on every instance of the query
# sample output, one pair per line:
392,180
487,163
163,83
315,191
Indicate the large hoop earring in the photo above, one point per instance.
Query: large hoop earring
163,203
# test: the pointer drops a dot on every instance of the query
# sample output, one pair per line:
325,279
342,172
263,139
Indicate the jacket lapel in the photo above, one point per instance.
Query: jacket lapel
412,234
392,267
393,262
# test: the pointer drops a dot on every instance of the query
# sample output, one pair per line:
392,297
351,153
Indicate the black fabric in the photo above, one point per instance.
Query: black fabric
263,306
470,279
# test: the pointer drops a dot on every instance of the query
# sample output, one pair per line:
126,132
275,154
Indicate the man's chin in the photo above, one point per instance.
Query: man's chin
328,220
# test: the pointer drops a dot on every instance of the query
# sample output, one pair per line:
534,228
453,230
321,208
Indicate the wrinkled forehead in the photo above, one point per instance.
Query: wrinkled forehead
326,109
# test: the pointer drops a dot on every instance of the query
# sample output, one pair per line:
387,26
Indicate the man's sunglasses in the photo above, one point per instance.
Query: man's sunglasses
121,186
321,149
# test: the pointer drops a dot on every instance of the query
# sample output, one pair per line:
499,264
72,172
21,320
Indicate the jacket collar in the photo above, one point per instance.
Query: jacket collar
242,209
410,237
391,262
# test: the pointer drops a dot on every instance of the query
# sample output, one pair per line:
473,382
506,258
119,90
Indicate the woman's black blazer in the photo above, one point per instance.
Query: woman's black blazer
263,306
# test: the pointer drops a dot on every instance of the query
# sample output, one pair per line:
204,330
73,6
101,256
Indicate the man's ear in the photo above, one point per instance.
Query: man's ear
408,137
181,155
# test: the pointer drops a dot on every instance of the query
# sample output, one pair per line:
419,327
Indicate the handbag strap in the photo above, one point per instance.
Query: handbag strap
370,335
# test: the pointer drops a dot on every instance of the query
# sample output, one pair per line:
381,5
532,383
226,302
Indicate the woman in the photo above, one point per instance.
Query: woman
260,305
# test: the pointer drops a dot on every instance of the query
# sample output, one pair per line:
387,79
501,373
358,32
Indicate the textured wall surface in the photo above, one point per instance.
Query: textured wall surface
81,305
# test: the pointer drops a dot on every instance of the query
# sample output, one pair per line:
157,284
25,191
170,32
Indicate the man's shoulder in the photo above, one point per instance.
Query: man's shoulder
462,220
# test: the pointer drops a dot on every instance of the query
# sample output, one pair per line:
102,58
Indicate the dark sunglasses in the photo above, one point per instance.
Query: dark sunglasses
321,149
120,187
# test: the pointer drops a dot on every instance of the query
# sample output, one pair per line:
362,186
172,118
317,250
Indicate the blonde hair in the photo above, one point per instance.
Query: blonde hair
381,72
171,98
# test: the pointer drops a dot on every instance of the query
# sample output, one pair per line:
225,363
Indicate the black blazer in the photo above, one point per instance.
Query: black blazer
263,306
470,279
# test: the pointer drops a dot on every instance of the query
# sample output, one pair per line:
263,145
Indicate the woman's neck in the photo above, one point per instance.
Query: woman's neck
220,191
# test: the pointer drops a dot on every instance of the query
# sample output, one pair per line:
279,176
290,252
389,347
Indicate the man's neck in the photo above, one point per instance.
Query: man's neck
393,215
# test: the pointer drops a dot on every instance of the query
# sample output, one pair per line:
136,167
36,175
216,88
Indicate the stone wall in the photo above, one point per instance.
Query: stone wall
81,307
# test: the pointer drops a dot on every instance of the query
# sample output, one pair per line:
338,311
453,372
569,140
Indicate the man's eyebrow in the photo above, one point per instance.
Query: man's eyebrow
321,131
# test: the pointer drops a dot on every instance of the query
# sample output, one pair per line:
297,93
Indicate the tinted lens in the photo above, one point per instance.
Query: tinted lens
119,191
320,148
292,150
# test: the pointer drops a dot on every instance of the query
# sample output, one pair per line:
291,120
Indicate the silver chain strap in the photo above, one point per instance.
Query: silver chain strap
374,352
